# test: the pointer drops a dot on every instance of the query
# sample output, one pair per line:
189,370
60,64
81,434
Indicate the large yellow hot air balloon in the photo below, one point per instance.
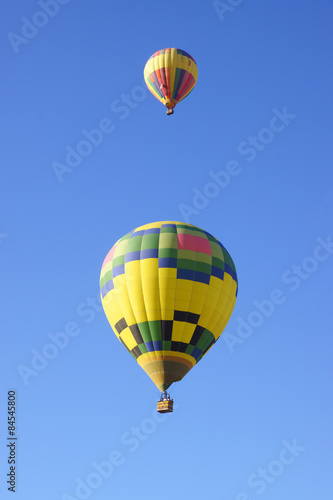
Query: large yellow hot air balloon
168,290
170,75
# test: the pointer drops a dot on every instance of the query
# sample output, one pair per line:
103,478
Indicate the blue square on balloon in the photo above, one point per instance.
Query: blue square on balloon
157,345
150,346
116,271
196,352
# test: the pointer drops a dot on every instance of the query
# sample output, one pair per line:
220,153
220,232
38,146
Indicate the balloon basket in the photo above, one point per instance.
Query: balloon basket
165,404
169,112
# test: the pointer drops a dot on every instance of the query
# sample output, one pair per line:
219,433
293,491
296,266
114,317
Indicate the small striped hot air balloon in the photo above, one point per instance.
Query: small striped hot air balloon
168,290
170,75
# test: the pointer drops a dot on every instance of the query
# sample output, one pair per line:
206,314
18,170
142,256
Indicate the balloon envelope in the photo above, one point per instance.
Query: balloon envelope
168,290
170,75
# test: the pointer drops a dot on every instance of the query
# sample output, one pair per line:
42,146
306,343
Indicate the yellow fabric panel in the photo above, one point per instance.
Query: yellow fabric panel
149,275
167,314
150,287
147,69
172,65
183,63
121,295
167,278
224,315
233,289
211,309
220,326
183,295
225,299
196,303
206,316
167,64
108,300
141,316
136,294
167,304
211,303
211,324
213,294
152,299
227,283
134,287
199,288
167,289
195,73
113,310
198,297
149,270
150,68
182,305
184,286
177,330
133,275
215,283
196,307
183,334
228,310
154,314
128,339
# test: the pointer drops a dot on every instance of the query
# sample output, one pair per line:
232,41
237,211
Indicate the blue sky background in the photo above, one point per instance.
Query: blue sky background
262,388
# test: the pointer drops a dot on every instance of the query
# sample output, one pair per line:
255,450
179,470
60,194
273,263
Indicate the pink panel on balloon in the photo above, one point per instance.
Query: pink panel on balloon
195,243
109,256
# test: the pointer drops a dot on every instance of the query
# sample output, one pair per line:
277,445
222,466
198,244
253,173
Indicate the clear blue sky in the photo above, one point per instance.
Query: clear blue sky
254,418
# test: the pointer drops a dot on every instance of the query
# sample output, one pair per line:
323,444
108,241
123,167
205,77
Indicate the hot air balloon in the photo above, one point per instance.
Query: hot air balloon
168,290
170,75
